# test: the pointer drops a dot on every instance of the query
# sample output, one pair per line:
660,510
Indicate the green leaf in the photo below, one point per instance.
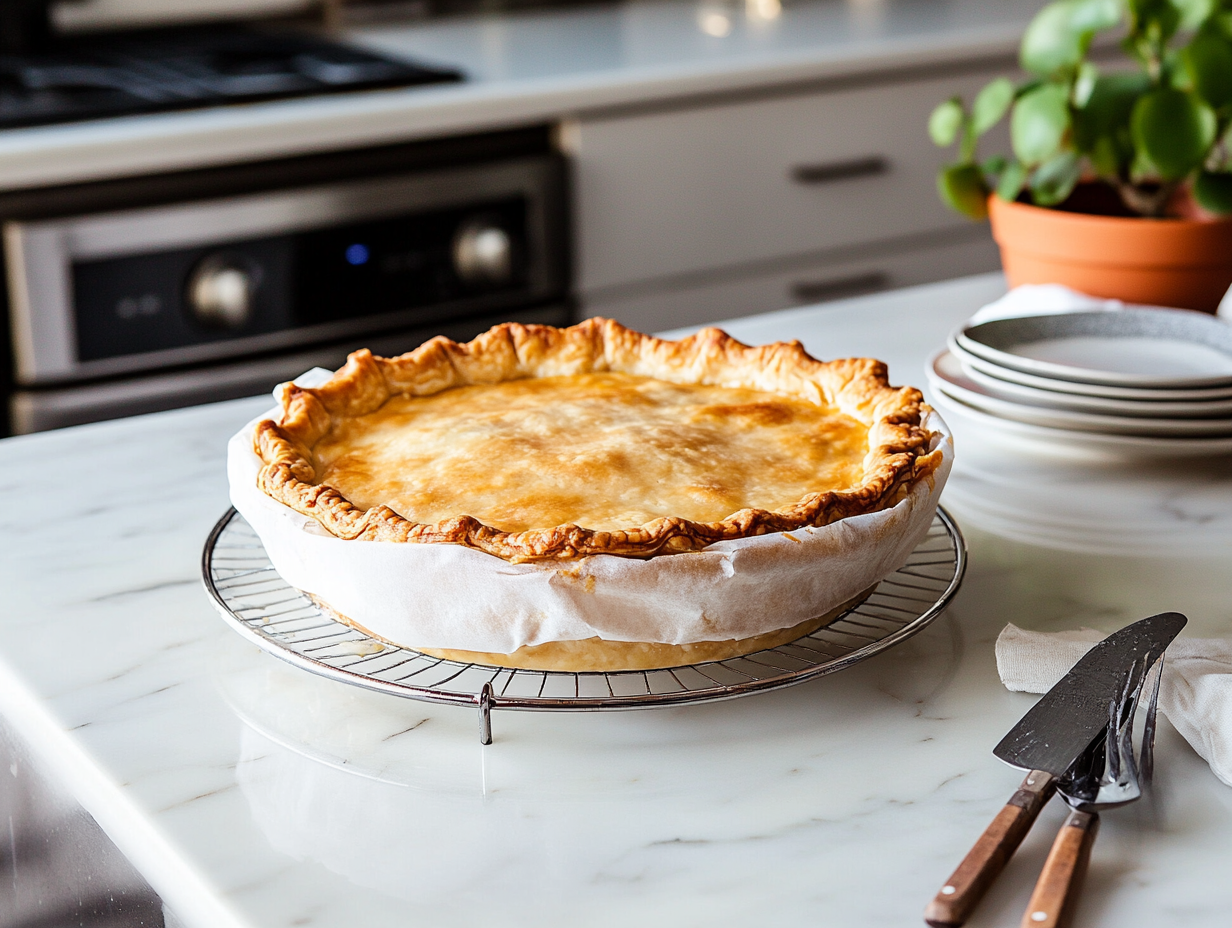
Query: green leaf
970,142
1173,131
962,188
991,104
1094,15
1194,12
1140,168
1173,72
1109,107
1012,179
994,165
1214,192
1052,42
1222,23
1060,34
1055,179
1039,123
1208,61
945,121
1027,86
1084,84
1165,18
1107,157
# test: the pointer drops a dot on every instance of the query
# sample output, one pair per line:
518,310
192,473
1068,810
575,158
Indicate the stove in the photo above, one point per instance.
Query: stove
121,74
134,294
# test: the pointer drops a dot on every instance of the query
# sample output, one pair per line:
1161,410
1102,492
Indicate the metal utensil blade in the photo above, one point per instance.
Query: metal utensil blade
1075,712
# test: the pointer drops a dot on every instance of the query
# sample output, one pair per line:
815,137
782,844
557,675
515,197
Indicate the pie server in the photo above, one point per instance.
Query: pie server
1046,741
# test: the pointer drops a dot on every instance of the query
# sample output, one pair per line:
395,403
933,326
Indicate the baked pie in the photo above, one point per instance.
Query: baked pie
549,446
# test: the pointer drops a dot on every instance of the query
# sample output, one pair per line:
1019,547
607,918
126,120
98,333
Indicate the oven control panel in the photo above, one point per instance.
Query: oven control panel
146,289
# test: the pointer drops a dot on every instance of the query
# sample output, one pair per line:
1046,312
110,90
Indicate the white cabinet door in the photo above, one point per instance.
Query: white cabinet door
671,193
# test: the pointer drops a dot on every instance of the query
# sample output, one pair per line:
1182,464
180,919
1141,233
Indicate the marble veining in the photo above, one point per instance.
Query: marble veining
251,794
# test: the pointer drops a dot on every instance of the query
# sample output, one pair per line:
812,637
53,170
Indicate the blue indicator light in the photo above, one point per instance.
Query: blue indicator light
357,254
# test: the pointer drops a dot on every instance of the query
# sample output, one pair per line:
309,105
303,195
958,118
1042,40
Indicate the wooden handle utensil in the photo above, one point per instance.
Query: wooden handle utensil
953,904
1056,892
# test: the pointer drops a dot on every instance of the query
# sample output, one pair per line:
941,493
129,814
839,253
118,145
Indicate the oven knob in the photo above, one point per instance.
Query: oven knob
482,254
220,292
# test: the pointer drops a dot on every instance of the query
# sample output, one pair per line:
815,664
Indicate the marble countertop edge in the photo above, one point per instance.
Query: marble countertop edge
131,829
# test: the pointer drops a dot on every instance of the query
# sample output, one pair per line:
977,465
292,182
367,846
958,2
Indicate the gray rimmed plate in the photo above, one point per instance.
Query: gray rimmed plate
1065,441
1139,348
946,377
947,363
971,362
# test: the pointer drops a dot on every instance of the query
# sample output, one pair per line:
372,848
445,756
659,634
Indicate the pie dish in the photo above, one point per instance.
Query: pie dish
652,502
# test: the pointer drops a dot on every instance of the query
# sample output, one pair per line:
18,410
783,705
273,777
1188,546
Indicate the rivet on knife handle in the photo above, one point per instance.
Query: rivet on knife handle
1056,892
952,906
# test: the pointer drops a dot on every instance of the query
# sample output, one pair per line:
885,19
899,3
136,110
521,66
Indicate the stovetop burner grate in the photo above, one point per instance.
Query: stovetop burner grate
189,67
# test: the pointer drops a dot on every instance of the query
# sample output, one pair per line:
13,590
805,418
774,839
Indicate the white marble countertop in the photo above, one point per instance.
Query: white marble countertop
535,67
251,794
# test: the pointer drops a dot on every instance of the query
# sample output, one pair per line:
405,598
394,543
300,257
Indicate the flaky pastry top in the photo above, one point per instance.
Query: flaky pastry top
533,443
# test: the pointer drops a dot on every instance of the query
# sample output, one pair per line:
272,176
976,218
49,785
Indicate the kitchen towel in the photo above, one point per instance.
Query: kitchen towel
1053,299
1041,300
1195,693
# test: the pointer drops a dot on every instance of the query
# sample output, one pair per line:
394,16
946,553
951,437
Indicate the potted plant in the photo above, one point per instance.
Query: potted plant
1119,182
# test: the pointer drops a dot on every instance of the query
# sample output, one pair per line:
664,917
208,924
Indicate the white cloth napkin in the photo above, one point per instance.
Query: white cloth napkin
1041,300
1053,299
1195,693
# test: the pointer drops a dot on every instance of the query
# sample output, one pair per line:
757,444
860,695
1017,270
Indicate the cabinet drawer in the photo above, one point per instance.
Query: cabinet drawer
676,192
957,253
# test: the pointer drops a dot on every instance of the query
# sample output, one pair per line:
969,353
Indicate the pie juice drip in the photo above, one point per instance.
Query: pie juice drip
605,451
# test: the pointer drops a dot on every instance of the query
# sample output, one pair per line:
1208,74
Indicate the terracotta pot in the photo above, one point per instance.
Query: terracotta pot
1162,262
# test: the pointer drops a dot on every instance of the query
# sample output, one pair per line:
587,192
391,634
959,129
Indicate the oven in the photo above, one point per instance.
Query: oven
145,294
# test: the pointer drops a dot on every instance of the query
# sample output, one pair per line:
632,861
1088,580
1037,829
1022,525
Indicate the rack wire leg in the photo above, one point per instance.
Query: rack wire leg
485,714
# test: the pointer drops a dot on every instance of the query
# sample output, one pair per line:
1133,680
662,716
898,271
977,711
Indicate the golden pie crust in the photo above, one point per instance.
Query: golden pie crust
538,443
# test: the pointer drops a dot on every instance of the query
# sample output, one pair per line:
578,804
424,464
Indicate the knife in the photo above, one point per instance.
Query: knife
1045,742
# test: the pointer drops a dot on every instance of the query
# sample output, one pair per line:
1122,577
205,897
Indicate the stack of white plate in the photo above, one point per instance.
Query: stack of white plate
1143,381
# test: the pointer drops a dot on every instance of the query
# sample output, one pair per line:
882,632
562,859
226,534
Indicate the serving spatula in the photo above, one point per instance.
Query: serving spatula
1106,776
1057,730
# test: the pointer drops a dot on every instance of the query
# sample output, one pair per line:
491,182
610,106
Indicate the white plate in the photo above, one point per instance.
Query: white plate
976,363
950,366
948,378
1129,347
1041,438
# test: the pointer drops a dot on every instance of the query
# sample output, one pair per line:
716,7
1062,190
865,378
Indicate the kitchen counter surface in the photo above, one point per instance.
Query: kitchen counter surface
540,67
251,794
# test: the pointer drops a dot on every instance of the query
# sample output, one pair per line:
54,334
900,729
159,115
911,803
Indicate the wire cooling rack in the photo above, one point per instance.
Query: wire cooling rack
263,607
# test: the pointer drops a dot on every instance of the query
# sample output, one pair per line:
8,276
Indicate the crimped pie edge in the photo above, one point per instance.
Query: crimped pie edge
898,458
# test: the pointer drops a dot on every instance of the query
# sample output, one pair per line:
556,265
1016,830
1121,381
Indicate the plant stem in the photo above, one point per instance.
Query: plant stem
1150,204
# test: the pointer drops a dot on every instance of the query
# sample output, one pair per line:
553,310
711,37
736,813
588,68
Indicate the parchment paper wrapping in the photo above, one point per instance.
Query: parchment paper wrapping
451,596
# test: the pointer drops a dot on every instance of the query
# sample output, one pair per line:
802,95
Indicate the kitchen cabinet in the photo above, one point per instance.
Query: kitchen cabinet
711,296
716,209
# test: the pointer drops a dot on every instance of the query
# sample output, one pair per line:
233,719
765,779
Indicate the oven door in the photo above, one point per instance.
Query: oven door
119,293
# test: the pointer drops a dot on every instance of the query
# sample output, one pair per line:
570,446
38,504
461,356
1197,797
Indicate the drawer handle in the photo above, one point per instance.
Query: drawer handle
818,291
830,171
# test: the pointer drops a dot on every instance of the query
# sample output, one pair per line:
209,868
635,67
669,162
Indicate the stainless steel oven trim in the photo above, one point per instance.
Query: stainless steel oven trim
38,275
56,407
40,255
